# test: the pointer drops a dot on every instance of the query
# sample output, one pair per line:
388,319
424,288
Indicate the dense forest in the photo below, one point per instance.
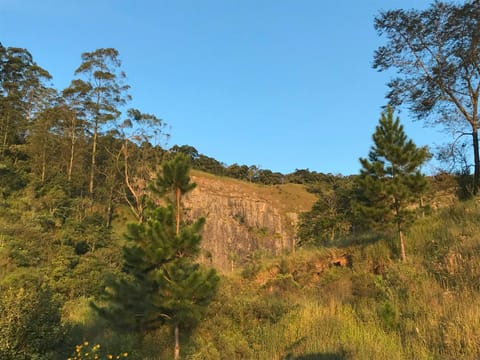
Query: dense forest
99,258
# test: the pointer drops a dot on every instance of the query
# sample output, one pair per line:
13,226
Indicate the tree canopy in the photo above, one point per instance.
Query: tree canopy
436,54
101,93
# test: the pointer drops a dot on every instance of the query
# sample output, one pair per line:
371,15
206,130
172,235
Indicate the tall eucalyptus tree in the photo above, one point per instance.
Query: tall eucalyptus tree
103,92
22,86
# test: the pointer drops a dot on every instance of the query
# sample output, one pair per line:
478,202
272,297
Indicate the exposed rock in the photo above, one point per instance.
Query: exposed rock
344,260
243,219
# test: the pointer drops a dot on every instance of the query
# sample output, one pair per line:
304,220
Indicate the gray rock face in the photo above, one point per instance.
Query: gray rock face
241,220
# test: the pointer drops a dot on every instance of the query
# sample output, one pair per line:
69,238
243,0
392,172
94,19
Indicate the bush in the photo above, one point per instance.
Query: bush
30,323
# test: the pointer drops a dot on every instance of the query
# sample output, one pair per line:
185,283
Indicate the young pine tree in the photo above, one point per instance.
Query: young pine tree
390,181
164,284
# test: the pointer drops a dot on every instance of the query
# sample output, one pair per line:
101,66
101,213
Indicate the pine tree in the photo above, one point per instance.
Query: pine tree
390,180
174,183
163,283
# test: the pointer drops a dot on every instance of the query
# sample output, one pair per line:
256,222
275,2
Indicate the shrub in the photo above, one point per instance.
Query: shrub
30,323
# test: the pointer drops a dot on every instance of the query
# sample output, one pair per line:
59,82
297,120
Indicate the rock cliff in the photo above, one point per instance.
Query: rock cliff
244,219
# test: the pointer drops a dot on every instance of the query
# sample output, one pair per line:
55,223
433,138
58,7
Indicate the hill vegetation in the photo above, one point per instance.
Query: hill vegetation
302,305
386,264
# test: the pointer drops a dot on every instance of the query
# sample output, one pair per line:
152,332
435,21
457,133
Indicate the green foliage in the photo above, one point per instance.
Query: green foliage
305,176
390,181
237,171
139,157
21,90
388,315
93,231
175,176
30,323
297,305
252,266
330,218
10,180
101,92
208,164
269,308
251,173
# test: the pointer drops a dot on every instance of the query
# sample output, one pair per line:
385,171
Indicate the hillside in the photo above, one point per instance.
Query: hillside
306,306
352,300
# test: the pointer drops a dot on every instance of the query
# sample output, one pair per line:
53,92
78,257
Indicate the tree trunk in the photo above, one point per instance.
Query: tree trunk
5,130
94,155
400,231
5,133
177,343
422,206
44,164
138,195
402,246
178,194
476,156
72,149
110,207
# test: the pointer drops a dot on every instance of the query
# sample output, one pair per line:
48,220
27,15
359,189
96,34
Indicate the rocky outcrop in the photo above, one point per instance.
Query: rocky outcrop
244,219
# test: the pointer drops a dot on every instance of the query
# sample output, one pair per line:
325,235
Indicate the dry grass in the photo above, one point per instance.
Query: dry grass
290,197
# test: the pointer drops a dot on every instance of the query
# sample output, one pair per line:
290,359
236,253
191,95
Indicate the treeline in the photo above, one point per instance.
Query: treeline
75,141
81,141
252,173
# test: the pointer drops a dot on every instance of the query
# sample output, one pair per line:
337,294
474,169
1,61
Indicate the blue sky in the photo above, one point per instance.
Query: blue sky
281,84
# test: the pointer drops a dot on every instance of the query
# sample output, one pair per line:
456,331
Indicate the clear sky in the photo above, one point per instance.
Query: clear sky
281,84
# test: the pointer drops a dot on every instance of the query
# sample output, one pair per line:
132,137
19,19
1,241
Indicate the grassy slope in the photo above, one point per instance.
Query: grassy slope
299,306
